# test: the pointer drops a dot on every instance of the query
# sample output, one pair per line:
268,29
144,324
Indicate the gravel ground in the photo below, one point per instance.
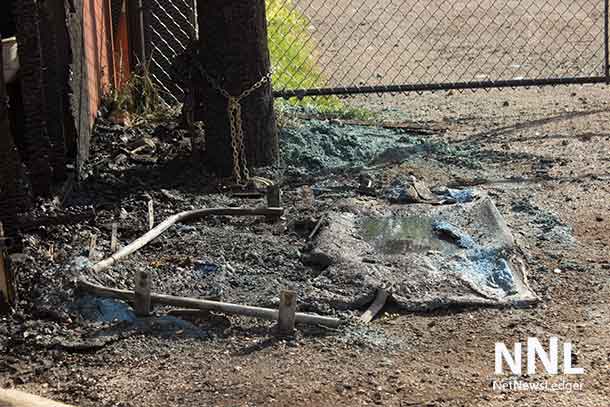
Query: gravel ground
541,155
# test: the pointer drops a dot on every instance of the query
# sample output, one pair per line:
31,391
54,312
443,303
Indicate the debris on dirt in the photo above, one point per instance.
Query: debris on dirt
409,190
401,193
100,309
423,256
549,226
339,244
457,195
322,145
123,319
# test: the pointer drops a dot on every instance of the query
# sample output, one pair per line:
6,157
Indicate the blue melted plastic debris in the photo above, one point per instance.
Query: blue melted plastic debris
461,195
458,195
104,309
203,269
111,310
503,277
460,238
491,269
483,264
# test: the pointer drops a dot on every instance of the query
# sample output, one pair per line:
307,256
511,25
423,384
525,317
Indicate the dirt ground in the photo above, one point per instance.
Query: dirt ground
543,155
534,151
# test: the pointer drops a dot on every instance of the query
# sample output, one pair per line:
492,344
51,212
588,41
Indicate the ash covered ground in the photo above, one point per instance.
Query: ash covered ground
246,260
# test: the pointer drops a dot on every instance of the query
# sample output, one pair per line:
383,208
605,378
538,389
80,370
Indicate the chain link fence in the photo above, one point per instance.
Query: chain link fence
356,46
171,25
321,47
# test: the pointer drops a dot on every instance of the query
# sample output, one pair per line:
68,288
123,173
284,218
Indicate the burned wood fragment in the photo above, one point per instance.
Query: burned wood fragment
53,82
66,217
13,191
230,62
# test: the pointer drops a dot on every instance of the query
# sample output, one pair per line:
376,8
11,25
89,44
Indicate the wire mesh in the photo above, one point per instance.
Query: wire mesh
352,46
170,28
357,46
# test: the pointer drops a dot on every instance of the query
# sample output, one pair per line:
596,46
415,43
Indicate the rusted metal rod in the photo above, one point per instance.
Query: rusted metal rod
224,307
187,216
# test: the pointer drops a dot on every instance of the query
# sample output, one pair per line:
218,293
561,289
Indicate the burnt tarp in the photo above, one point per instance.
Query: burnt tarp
427,256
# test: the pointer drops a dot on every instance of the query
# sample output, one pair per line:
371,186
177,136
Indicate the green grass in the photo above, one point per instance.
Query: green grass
293,58
288,31
140,97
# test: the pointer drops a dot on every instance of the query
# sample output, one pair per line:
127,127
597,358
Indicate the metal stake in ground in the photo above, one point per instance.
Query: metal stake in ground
142,294
92,246
287,312
114,238
274,196
151,214
234,53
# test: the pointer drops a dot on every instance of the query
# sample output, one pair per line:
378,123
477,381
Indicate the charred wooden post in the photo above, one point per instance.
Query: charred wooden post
13,194
274,200
35,138
274,196
233,86
53,80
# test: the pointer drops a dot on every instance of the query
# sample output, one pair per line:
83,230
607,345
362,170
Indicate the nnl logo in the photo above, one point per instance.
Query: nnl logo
550,359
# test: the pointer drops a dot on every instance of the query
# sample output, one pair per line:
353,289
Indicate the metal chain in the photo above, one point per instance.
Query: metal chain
240,164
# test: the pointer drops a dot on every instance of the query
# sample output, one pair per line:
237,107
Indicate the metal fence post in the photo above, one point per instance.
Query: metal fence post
141,31
606,46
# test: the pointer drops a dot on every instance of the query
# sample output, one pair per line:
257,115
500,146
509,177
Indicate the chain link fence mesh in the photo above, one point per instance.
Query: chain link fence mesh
170,27
351,44
357,46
